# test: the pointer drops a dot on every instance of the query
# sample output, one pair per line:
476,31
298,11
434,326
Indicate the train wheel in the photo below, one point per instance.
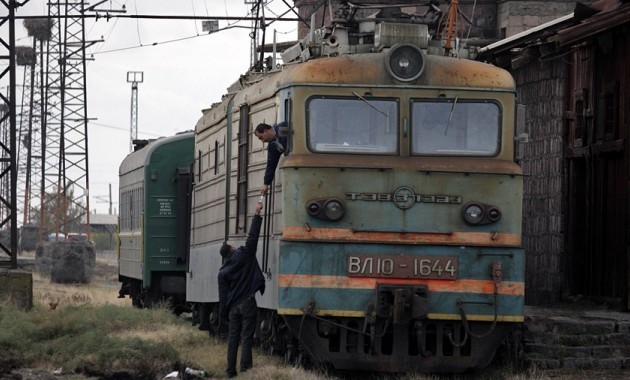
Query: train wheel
287,357
135,302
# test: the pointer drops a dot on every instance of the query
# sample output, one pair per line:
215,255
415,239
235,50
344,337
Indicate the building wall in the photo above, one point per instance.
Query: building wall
482,13
516,16
597,159
576,211
540,86
491,19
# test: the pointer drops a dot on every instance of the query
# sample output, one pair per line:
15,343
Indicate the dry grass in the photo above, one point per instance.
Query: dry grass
153,341
98,292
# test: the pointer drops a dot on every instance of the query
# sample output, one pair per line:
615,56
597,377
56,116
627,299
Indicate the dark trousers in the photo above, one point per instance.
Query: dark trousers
243,318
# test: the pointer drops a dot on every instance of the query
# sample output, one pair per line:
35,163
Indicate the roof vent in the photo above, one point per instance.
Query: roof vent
389,34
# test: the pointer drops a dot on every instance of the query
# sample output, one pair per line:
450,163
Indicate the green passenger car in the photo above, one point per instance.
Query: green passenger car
155,182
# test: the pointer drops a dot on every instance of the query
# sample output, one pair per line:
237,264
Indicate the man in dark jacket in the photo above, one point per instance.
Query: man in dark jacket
240,278
277,146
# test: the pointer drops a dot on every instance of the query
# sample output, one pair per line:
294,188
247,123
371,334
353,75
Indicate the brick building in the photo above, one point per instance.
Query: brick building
490,20
573,75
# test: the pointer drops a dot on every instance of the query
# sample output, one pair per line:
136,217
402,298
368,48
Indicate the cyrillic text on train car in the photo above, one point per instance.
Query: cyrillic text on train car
404,197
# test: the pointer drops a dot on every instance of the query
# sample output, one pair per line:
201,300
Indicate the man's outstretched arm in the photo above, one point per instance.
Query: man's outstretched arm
254,230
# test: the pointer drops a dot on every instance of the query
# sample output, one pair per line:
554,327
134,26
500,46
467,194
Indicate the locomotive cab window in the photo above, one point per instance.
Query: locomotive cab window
455,127
352,125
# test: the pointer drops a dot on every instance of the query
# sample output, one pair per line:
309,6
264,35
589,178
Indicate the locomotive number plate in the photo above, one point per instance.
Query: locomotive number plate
402,266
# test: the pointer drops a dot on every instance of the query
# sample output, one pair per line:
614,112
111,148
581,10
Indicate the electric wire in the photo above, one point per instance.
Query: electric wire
472,19
192,4
135,4
167,41
123,129
107,35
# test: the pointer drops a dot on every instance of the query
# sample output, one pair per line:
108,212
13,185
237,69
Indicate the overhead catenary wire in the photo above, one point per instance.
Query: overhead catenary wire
193,10
135,4
144,38
123,129
108,16
166,41
101,46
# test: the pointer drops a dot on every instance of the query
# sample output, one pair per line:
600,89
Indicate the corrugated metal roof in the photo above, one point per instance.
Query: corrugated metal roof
613,13
557,36
533,32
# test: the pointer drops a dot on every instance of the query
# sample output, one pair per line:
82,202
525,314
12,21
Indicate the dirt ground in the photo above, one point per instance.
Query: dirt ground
106,272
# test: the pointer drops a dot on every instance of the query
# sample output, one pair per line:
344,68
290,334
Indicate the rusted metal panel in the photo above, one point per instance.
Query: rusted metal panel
308,233
366,69
421,164
611,14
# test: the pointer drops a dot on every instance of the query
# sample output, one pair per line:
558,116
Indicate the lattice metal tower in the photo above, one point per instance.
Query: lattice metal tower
65,183
8,167
134,77
29,141
25,57
31,122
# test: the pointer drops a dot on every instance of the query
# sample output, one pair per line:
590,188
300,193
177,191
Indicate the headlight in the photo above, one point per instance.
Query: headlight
326,208
473,213
494,214
313,208
405,62
333,209
476,213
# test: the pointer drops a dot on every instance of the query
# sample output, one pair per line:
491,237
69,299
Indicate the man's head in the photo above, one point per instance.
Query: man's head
226,249
265,132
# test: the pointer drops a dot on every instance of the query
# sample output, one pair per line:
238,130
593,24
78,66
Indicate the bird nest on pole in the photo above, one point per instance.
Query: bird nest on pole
40,28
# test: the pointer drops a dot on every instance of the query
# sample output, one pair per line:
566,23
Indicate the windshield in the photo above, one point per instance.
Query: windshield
455,127
353,125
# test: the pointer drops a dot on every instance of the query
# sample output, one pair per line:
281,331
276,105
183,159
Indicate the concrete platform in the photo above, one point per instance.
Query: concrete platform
577,336
16,287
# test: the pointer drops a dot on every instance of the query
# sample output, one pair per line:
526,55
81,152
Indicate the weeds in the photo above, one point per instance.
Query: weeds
79,337
90,332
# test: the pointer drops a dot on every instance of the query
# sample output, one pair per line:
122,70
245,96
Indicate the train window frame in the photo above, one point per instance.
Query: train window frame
453,102
339,148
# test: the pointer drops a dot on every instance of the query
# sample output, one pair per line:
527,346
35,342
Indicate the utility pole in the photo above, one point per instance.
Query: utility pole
258,7
65,184
8,172
30,118
134,77
110,199
104,199
27,58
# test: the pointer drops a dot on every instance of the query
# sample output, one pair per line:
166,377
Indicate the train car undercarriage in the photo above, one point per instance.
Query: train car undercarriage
394,336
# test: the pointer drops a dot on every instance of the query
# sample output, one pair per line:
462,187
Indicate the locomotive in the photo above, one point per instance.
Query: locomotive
391,236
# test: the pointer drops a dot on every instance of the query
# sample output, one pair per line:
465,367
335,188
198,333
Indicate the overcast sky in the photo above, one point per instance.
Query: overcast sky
180,78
